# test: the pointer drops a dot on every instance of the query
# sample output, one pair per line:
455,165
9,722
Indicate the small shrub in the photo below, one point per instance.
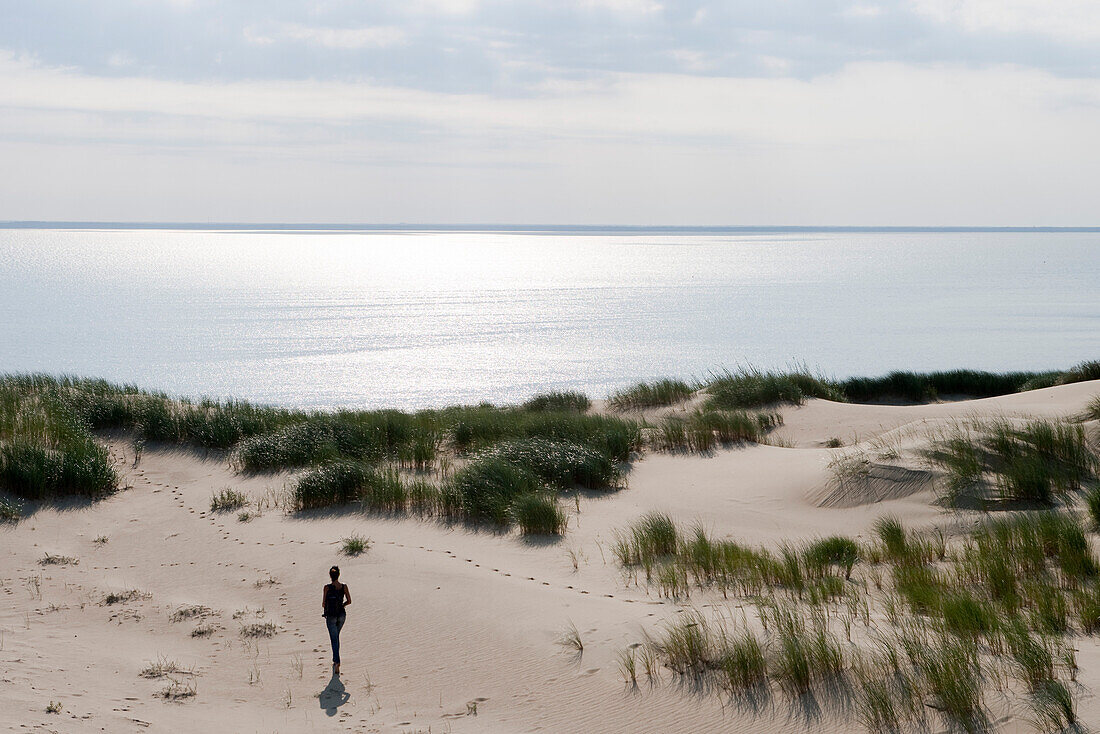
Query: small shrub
539,514
177,691
332,484
259,629
563,464
228,500
487,486
161,668
653,537
354,545
892,534
833,551
121,597
52,560
54,707
190,611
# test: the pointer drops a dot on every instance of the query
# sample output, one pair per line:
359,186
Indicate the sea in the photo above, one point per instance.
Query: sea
410,317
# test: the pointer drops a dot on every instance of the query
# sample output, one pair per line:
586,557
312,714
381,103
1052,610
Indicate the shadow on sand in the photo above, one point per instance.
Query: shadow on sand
334,696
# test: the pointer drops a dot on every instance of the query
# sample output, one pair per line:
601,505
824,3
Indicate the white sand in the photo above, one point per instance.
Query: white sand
445,622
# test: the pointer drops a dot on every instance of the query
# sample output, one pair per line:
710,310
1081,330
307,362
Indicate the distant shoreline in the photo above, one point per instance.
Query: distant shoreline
521,228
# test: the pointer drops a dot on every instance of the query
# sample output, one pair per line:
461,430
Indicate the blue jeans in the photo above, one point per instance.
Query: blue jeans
334,625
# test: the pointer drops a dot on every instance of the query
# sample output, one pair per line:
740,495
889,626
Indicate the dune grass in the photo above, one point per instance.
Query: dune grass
46,451
539,514
354,545
650,395
228,500
704,430
1092,410
487,487
750,387
1038,461
960,619
566,401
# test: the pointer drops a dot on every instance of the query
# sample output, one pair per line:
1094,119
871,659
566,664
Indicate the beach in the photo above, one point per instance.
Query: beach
452,627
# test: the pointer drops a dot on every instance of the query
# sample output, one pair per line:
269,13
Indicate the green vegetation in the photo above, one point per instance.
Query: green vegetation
1038,461
650,395
354,545
1092,412
487,487
960,618
833,551
562,401
228,500
47,448
539,514
749,387
46,451
704,430
562,464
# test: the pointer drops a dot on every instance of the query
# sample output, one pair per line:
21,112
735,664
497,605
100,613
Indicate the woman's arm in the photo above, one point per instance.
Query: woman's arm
324,595
347,595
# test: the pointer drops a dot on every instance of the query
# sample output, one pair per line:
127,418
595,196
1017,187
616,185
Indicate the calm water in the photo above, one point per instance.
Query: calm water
412,319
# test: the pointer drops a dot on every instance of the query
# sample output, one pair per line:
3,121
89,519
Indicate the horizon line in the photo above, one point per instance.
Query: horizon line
498,227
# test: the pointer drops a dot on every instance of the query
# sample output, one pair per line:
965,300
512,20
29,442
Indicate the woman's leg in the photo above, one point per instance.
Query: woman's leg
334,624
339,626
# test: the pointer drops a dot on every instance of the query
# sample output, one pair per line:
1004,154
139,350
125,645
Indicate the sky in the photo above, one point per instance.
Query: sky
636,112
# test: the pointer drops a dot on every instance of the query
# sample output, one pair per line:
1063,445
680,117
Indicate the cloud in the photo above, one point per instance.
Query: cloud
338,38
863,103
1076,21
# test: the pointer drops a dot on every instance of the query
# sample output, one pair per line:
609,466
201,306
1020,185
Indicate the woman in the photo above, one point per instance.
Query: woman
334,599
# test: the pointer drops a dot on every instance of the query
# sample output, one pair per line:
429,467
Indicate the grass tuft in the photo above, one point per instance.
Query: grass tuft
488,485
558,401
228,500
539,514
749,387
354,545
51,560
650,395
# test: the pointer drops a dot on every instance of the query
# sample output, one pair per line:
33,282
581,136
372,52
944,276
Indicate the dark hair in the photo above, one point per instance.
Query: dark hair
334,573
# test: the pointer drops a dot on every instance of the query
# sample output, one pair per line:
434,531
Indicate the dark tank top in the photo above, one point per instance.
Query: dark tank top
334,601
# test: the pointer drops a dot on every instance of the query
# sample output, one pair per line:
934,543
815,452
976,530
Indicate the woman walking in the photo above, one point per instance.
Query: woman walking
334,599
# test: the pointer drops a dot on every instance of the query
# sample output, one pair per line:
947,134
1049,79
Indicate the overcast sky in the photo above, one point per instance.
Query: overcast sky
928,112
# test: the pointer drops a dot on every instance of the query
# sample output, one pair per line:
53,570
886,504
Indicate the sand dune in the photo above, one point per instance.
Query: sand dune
451,629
